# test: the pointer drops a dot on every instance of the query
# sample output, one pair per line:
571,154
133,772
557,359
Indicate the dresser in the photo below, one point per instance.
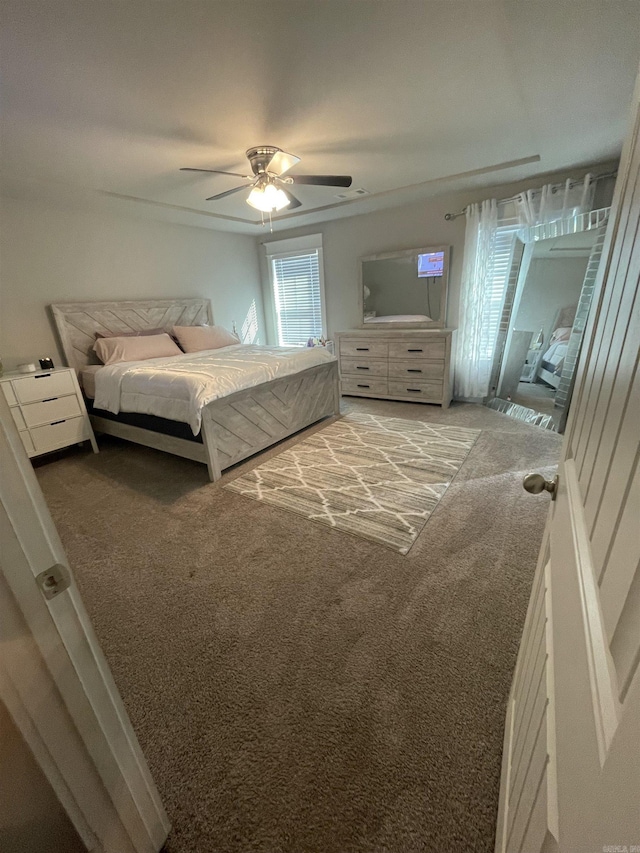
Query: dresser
407,364
48,409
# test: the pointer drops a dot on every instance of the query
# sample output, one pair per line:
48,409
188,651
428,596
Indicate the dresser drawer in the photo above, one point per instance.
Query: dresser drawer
352,347
10,397
417,349
416,390
416,369
362,385
42,386
47,411
53,436
363,366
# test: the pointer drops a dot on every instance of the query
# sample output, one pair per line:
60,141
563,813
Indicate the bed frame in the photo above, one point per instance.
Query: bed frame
234,427
551,379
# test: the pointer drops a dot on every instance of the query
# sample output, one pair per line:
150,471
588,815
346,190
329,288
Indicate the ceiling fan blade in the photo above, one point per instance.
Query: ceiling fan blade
323,180
228,192
213,172
281,162
293,201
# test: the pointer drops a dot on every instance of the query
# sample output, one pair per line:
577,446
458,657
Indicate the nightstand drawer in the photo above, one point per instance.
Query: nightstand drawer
10,397
417,349
417,390
42,386
363,366
365,348
415,369
53,436
363,385
47,411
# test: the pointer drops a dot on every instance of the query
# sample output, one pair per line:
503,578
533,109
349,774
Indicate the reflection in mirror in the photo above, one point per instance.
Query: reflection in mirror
551,301
407,288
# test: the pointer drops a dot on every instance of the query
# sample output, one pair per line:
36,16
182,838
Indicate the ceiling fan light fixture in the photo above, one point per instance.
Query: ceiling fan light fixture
267,198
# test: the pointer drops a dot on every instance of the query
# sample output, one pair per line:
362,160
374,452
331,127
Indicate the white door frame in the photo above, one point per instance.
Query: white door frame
56,683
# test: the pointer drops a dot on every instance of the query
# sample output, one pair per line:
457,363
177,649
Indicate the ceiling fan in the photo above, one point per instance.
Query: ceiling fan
267,186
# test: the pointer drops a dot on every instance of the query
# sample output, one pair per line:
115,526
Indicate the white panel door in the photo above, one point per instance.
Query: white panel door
571,763
55,681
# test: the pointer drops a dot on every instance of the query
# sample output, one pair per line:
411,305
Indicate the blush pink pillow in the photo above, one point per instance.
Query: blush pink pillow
138,348
561,334
199,338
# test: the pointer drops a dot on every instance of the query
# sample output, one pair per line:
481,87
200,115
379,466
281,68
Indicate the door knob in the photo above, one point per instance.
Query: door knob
536,483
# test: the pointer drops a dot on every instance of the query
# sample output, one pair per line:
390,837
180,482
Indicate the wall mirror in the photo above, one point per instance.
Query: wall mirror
406,289
544,316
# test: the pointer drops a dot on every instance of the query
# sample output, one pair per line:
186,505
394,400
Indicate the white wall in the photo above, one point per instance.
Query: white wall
552,283
31,817
62,255
345,241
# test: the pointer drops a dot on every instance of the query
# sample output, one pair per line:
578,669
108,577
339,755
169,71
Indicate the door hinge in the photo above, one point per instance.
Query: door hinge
54,580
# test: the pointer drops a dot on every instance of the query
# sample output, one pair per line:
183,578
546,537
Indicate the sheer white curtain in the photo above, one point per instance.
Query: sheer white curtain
555,201
475,349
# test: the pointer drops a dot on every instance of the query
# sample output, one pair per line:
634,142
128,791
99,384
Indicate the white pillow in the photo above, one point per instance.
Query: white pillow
199,338
115,350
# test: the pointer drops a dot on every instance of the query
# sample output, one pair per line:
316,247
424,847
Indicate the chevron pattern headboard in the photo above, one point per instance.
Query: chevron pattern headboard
78,322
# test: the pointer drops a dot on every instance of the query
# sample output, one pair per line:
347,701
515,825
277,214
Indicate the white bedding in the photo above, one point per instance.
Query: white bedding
88,379
555,355
178,387
398,318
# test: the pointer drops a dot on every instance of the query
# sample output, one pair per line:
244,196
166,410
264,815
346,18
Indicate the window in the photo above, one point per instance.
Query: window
502,257
297,289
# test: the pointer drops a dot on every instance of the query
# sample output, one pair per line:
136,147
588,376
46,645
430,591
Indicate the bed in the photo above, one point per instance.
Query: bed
397,318
233,422
552,360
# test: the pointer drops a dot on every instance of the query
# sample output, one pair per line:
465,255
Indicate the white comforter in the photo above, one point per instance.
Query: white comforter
555,355
180,386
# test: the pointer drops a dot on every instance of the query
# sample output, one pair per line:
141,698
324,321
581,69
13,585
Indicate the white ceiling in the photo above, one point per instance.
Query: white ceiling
113,97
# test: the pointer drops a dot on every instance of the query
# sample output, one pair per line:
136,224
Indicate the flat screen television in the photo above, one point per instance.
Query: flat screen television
430,264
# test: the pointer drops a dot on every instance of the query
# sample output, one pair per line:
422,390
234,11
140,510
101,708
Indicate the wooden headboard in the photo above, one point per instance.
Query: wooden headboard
78,322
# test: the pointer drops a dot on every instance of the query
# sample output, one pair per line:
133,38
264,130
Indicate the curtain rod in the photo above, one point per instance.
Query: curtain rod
450,216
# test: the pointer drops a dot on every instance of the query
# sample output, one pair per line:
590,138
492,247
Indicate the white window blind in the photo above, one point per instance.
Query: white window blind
296,279
502,257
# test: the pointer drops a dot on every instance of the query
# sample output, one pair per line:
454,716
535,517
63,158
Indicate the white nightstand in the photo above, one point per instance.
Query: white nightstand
48,409
530,369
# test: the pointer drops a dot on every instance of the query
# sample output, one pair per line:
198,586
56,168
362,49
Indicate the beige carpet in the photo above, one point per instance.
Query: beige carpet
297,689
375,477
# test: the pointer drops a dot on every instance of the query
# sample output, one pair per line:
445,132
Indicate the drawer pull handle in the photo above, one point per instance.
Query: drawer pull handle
414,370
53,423
362,349
363,386
42,376
49,399
414,350
415,390
363,368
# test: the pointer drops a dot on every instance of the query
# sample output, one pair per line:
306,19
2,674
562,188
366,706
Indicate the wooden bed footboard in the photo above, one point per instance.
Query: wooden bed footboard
237,426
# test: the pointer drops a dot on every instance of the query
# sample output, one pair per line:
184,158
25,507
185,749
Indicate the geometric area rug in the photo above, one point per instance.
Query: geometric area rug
378,478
